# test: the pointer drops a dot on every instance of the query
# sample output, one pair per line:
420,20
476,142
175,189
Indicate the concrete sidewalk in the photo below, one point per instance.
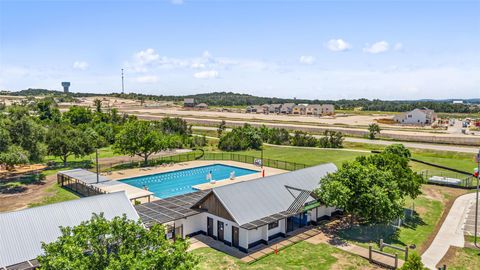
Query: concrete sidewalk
451,232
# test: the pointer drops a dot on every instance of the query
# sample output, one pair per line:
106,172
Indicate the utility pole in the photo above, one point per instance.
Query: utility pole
96,162
123,88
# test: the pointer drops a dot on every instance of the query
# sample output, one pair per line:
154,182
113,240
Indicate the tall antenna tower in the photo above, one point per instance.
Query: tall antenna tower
123,88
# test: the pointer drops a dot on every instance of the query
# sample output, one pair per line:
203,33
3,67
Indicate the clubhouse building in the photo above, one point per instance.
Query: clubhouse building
244,214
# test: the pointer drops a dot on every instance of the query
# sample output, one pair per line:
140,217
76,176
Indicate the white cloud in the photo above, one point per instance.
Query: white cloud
398,47
81,65
147,79
177,2
338,45
377,47
307,59
197,65
208,74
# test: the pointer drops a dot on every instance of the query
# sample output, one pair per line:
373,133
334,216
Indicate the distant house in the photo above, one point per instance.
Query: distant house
274,108
255,109
422,116
314,109
328,109
189,102
287,108
201,106
299,109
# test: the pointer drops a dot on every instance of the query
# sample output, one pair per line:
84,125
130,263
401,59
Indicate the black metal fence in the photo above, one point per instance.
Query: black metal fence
185,157
465,180
78,186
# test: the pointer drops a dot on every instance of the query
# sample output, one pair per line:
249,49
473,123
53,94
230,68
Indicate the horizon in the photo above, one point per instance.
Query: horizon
322,50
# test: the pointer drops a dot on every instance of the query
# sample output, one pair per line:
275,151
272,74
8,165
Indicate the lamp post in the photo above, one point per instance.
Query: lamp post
476,198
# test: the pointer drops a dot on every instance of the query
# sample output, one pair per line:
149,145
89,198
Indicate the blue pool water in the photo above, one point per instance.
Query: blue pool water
179,182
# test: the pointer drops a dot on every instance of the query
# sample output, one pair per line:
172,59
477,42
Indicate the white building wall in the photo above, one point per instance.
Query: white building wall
256,234
243,238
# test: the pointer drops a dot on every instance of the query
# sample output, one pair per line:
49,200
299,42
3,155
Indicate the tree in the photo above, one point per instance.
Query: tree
414,262
221,128
331,139
301,138
14,155
373,130
98,105
47,110
372,188
63,140
29,135
364,192
77,115
141,138
119,243
241,138
5,139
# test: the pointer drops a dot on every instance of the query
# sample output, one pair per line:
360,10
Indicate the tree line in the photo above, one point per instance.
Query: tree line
29,132
248,137
237,99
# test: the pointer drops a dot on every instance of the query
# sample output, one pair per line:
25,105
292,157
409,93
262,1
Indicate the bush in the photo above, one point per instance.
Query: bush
241,138
301,138
331,139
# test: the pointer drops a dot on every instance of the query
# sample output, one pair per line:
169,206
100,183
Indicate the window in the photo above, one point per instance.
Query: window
273,225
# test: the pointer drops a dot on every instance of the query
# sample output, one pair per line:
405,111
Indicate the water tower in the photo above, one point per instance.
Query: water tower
65,85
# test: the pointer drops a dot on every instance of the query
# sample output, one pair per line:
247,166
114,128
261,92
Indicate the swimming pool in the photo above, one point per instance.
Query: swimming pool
179,182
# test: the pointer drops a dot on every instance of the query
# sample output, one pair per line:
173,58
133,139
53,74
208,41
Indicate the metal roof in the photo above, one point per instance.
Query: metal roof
23,231
254,200
85,176
169,209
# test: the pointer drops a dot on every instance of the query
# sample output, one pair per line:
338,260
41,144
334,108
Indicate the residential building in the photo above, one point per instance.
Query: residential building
255,109
274,108
287,108
22,232
299,109
245,214
422,116
328,109
314,109
189,102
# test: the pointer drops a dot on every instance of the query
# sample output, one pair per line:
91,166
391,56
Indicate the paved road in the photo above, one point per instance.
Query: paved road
427,146
451,232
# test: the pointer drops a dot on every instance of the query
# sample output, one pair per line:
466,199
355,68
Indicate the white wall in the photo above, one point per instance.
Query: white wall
256,234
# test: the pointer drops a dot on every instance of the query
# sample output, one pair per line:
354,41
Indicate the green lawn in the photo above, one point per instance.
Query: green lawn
461,258
303,255
416,230
57,194
105,152
305,156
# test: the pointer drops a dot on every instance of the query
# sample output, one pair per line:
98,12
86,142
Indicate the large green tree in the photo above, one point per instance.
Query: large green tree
142,138
29,135
77,115
373,130
372,189
119,243
14,155
63,140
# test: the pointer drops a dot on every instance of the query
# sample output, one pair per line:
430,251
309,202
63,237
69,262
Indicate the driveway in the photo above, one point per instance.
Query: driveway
451,233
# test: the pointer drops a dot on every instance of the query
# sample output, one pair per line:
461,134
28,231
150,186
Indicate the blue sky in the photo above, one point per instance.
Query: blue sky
304,49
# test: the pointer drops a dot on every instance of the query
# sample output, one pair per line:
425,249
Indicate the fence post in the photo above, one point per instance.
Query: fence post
381,244
370,253
396,260
406,253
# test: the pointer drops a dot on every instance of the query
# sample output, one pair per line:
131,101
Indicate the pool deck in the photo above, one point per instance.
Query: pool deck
134,191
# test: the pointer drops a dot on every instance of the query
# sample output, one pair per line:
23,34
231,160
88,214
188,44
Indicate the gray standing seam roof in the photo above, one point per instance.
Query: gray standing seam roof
251,201
85,176
23,231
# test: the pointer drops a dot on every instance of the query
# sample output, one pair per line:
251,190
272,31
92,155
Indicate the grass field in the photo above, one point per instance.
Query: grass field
306,156
303,255
461,258
418,229
105,152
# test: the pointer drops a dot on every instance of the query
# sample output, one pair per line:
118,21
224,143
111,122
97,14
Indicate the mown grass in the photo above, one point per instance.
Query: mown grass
106,152
306,156
461,258
303,255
